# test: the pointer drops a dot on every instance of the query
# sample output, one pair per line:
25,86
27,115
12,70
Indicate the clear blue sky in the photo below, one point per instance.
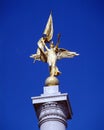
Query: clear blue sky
81,24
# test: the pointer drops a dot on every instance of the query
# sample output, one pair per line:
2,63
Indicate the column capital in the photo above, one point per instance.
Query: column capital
52,111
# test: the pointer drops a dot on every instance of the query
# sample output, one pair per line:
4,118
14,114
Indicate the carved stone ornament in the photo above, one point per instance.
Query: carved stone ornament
52,112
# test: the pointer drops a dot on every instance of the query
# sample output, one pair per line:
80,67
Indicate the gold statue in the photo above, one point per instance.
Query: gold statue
53,53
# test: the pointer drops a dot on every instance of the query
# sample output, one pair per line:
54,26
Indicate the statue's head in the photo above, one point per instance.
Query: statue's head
51,44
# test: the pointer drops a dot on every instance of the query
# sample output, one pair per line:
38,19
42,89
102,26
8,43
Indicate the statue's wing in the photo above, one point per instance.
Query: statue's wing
49,28
35,57
41,57
63,53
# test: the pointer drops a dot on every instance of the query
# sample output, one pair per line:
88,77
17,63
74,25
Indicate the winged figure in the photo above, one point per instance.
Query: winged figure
51,54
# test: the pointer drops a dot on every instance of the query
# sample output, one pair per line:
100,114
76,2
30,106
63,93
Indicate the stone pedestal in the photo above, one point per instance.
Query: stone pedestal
53,109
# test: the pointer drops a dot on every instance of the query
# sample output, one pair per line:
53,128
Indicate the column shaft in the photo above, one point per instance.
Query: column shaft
52,117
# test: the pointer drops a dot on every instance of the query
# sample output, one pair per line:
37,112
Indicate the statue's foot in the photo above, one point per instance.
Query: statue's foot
57,73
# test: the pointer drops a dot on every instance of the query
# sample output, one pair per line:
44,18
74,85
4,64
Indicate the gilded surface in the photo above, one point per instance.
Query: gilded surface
48,52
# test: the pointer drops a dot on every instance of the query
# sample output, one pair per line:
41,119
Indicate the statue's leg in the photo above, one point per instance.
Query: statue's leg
52,70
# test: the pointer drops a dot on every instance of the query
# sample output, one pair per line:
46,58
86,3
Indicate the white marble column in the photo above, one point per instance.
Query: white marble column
52,108
52,117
